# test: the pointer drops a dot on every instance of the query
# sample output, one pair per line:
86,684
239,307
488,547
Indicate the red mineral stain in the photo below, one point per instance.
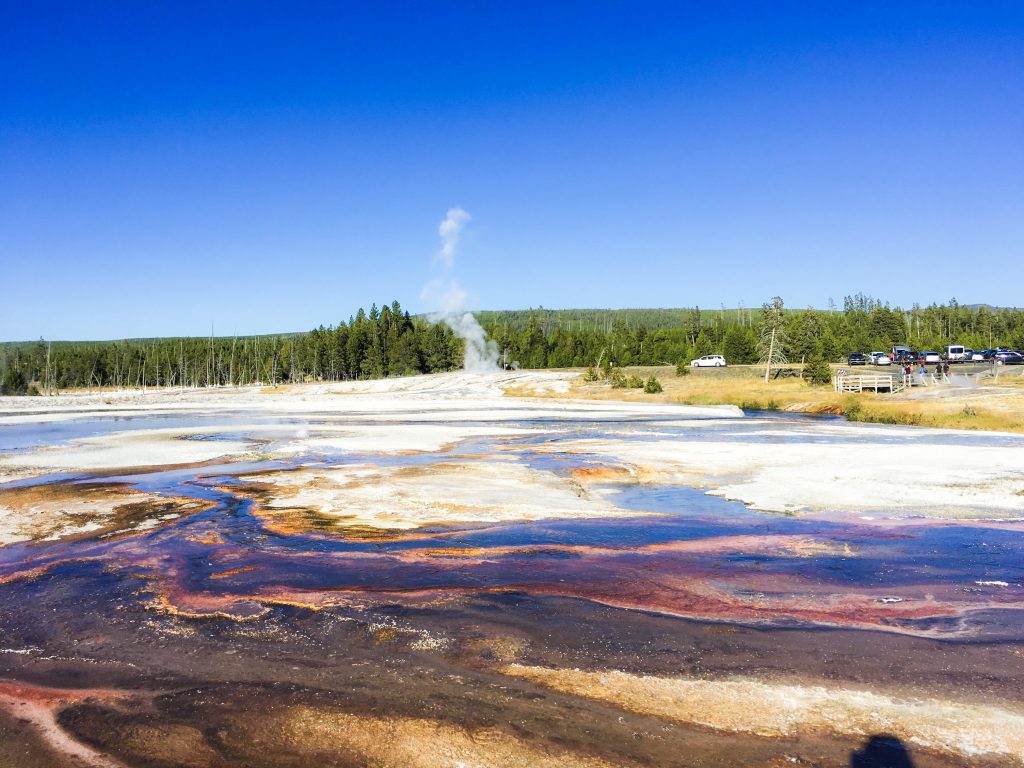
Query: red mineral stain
39,707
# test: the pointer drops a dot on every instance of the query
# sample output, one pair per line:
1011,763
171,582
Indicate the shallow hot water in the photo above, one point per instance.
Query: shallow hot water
657,586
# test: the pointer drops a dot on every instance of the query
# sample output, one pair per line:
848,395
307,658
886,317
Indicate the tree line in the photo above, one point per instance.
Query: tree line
388,341
375,344
579,338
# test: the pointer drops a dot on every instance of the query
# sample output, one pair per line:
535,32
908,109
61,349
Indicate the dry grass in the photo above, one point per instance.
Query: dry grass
1013,380
987,407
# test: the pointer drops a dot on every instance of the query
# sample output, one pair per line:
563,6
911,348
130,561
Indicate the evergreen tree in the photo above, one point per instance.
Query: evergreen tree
804,333
534,351
652,386
816,370
389,341
739,345
703,346
13,382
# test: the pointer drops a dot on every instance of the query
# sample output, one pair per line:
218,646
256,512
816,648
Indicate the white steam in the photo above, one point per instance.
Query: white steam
451,304
449,230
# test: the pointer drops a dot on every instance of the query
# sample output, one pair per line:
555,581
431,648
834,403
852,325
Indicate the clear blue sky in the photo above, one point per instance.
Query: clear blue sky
271,166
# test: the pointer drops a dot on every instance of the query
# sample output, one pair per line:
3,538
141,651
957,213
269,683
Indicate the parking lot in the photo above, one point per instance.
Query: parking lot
954,368
955,358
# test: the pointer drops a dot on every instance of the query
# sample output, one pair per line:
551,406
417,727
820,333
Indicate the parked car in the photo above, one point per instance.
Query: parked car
956,353
972,356
879,358
908,357
857,358
1009,358
930,357
708,361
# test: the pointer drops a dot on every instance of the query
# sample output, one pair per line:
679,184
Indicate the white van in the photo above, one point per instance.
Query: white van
708,361
955,353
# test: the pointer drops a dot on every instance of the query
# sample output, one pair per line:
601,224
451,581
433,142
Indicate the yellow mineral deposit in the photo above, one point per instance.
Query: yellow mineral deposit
403,498
61,511
420,743
785,710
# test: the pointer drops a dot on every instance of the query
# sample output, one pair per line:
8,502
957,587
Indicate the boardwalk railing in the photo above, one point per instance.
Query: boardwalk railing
877,383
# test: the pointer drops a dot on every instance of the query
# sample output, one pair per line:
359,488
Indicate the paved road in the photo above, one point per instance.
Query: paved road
968,368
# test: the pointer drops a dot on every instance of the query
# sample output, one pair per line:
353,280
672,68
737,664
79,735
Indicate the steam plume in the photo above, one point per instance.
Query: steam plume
449,230
453,304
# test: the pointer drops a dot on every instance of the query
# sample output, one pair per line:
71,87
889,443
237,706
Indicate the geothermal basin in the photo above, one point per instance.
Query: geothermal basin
426,572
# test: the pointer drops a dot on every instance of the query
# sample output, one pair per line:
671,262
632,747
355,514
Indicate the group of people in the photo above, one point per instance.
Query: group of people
941,370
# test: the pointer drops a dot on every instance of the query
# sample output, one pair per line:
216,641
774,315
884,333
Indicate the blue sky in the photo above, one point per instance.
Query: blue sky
271,166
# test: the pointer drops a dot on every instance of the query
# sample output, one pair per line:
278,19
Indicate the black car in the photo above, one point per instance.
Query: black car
857,358
1009,358
907,358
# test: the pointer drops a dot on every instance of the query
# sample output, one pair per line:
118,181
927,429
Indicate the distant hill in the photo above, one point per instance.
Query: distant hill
989,307
604,319
143,340
512,320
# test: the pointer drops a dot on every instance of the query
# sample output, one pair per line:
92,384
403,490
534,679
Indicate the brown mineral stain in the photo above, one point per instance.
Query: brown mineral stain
419,743
504,649
169,743
783,711
210,538
483,552
222,608
602,474
81,511
232,572
385,634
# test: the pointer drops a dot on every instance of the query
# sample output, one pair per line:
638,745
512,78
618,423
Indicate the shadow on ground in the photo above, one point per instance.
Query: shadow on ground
882,751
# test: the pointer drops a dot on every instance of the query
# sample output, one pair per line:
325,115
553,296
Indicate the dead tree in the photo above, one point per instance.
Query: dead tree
773,337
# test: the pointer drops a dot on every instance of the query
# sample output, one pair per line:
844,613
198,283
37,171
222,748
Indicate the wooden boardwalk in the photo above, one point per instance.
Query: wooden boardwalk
875,382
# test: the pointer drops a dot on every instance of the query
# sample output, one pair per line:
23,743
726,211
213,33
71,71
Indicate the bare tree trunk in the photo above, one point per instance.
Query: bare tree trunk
771,356
49,385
